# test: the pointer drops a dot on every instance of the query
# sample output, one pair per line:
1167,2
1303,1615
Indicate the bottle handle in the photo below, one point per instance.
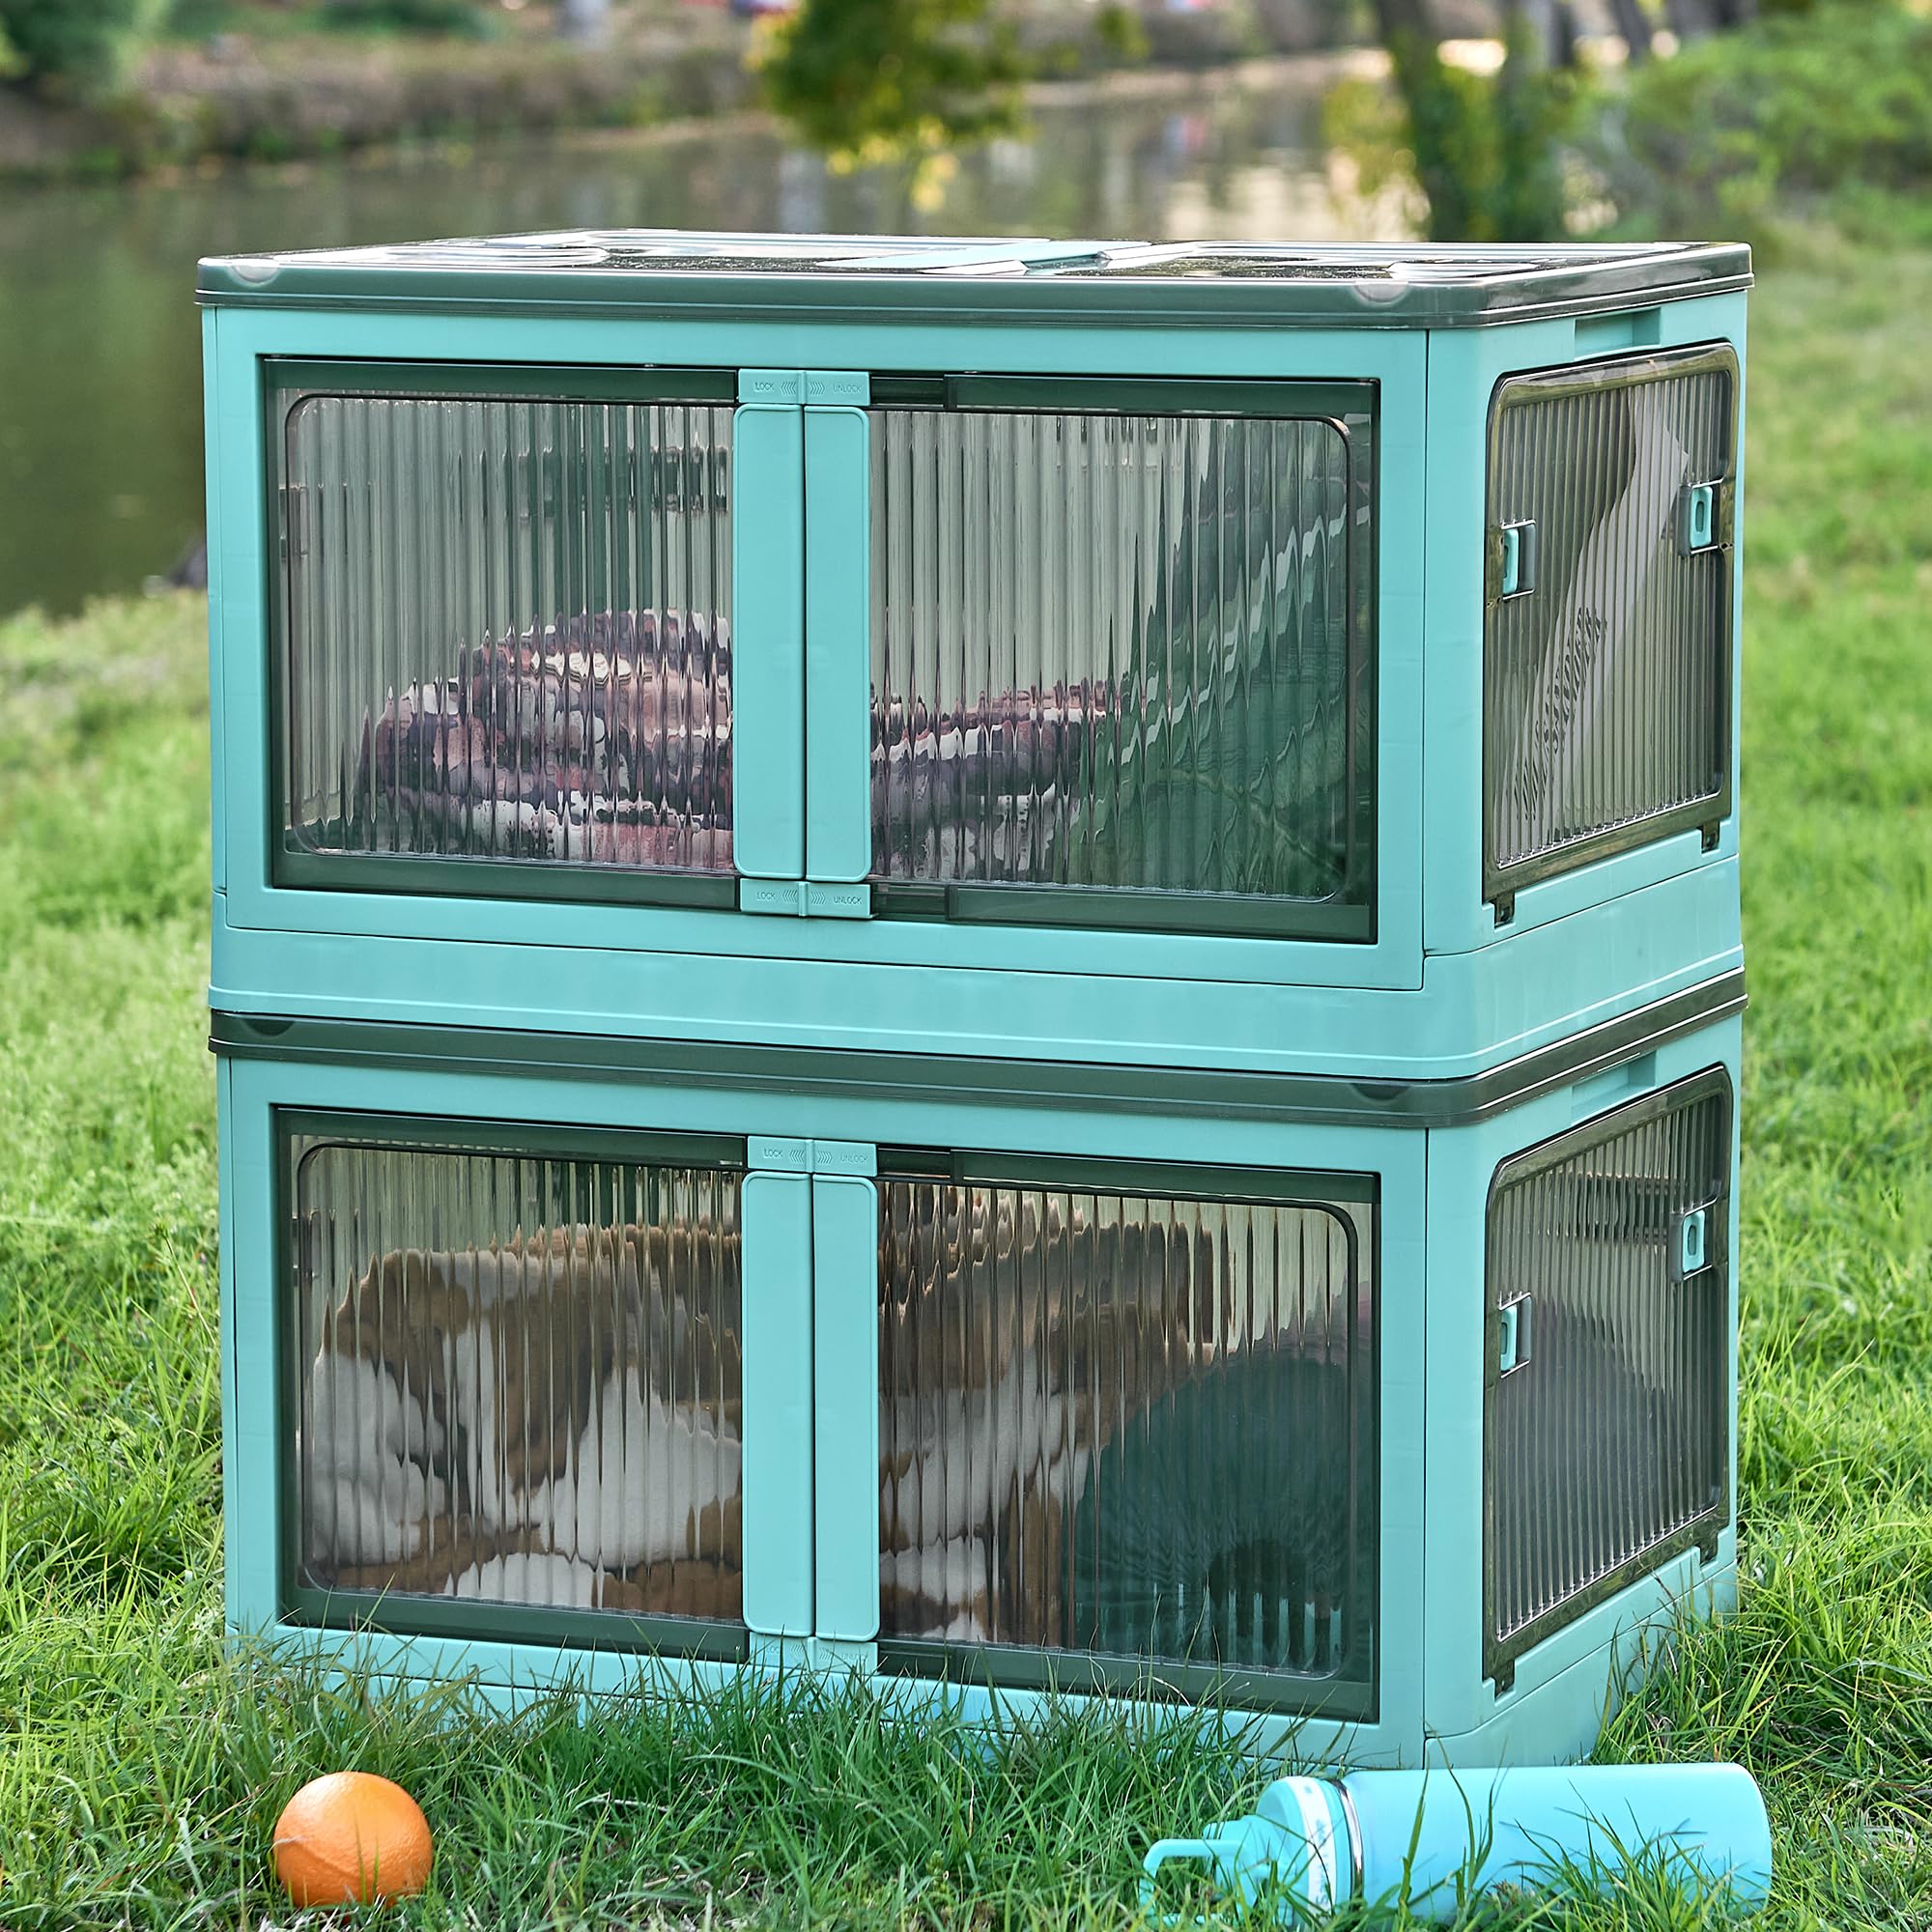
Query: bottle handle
1199,1849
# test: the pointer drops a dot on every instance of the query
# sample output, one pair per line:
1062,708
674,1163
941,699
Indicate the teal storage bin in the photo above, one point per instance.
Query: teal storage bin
1396,1423
1049,638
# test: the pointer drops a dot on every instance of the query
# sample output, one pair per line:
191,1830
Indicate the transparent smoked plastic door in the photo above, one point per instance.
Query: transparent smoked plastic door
1122,665
1607,1410
514,1384
504,658
1127,1424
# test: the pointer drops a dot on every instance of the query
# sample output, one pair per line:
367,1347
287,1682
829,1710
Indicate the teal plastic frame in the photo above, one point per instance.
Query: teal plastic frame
1465,368
811,1462
804,844
1474,1011
793,422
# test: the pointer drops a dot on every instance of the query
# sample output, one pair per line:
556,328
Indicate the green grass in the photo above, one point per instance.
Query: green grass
142,1769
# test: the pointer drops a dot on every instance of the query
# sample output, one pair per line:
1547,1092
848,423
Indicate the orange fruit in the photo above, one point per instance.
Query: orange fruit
351,1837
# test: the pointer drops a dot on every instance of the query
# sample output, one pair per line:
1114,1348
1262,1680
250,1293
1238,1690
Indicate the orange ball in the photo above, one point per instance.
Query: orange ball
351,1837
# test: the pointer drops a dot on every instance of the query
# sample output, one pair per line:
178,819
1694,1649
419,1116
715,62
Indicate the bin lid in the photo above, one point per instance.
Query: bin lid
642,270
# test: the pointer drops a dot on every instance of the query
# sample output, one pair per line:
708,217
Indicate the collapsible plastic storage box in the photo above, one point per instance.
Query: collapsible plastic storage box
1084,625
1390,1432
1008,965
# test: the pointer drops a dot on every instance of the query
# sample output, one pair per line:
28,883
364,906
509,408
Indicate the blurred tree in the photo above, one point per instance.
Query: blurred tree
76,47
1484,147
1633,24
465,19
1551,31
1688,19
890,80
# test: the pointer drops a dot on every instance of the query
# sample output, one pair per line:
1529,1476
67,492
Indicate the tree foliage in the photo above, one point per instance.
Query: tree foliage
1821,103
1485,150
887,80
75,47
461,18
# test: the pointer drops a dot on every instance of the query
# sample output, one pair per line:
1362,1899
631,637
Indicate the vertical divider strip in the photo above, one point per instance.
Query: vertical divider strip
257,1294
775,1426
838,628
846,1426
768,650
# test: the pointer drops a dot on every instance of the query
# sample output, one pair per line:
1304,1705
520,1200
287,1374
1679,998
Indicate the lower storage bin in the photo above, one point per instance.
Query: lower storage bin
1382,1434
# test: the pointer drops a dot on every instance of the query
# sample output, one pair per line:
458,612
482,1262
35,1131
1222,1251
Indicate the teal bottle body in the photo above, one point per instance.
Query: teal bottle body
1437,1839
1474,1831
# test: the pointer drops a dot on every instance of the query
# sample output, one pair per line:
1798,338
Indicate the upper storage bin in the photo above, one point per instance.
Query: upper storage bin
1239,614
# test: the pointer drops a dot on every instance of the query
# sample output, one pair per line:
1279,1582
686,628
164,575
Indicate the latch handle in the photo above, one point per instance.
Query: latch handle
1515,1330
1694,1241
1512,560
1704,517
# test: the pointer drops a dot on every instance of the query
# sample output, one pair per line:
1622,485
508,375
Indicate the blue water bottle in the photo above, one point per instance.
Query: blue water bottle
1437,1839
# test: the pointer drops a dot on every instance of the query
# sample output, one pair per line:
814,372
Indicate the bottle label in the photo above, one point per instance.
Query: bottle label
1318,1879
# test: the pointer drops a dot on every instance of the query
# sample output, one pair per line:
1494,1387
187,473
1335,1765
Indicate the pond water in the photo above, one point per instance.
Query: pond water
101,442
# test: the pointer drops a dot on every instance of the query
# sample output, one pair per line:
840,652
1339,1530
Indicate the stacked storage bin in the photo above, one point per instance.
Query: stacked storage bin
1004,964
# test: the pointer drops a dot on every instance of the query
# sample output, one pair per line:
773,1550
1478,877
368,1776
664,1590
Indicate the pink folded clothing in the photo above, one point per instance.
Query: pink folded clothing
607,742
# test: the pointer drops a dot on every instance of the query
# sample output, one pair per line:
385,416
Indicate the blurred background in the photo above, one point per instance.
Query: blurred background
136,135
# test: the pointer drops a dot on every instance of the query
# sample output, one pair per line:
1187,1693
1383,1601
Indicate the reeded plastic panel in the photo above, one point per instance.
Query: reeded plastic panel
517,1388
1607,643
1129,1430
507,640
1608,1439
1123,663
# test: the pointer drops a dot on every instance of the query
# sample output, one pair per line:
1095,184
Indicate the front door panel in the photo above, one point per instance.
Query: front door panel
1127,1425
1123,661
502,661
515,1383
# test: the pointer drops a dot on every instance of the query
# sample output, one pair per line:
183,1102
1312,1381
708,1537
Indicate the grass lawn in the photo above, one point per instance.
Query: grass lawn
141,1771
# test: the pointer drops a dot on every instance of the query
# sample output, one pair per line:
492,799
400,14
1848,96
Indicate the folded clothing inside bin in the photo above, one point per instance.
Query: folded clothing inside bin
606,741
552,1421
